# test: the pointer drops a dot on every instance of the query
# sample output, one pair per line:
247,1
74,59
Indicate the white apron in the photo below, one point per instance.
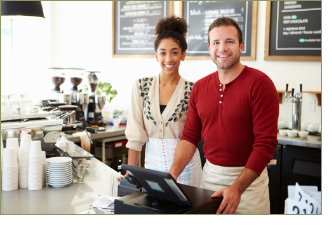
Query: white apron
255,199
159,155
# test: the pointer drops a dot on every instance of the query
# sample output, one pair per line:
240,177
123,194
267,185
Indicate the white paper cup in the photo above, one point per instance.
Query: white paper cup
116,123
10,179
13,143
9,157
70,146
25,142
35,149
35,160
9,187
9,168
35,187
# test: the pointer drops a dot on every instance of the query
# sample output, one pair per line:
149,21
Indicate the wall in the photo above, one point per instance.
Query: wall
82,37
24,70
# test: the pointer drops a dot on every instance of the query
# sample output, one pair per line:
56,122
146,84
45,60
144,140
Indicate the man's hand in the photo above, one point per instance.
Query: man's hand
230,202
232,194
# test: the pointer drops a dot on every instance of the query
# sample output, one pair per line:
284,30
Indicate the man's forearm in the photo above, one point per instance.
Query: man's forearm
183,154
244,180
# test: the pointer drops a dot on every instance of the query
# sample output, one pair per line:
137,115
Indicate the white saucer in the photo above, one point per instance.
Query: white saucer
59,160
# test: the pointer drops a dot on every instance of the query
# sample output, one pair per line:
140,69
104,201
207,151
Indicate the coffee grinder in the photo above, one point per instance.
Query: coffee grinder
96,103
58,78
78,99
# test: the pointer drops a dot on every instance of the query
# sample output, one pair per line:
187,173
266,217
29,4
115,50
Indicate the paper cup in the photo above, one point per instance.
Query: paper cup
25,142
9,157
70,146
13,143
35,149
116,123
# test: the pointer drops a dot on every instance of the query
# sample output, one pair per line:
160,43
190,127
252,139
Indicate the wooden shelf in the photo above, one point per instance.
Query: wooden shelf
317,93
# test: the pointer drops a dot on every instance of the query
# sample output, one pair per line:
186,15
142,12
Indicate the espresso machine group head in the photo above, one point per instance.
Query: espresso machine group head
296,99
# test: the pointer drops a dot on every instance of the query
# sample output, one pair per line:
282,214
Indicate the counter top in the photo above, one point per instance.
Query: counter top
311,141
72,199
109,132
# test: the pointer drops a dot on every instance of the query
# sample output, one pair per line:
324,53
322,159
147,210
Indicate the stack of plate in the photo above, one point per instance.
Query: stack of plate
59,171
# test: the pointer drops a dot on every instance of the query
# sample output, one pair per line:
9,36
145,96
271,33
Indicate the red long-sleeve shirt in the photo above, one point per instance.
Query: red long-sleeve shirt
239,124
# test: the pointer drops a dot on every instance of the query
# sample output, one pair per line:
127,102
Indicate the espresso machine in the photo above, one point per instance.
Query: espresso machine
96,103
296,99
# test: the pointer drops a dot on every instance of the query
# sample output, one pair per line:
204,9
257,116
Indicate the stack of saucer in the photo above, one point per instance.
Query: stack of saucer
35,173
24,160
59,171
9,170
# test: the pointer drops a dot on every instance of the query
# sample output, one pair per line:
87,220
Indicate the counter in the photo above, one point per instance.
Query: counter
109,132
75,198
311,141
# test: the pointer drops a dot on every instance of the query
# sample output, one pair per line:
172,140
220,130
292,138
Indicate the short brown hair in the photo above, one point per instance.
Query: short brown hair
225,21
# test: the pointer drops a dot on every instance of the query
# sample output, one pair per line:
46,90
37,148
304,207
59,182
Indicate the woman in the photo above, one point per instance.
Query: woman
159,106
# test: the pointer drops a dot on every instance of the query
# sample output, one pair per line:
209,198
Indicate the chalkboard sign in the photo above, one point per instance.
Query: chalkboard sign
293,31
134,25
200,14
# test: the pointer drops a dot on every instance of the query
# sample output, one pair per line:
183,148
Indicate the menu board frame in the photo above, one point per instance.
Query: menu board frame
253,43
267,55
133,55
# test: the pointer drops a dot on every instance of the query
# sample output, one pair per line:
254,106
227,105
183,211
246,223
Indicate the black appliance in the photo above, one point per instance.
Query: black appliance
162,195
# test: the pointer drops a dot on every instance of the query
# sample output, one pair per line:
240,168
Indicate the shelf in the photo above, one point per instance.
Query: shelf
317,93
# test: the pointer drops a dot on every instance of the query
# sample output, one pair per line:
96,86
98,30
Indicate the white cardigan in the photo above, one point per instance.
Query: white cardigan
145,120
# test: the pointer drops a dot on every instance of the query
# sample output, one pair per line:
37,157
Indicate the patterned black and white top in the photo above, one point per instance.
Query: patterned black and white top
145,120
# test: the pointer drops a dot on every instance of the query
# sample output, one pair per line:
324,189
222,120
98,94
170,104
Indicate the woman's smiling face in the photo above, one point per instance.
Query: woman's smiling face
169,56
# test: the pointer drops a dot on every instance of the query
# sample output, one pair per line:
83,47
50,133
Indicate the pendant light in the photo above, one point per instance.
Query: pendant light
22,10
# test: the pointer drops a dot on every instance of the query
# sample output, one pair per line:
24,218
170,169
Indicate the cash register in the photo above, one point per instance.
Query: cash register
161,194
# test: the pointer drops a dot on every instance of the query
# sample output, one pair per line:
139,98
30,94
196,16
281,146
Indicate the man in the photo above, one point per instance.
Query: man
235,111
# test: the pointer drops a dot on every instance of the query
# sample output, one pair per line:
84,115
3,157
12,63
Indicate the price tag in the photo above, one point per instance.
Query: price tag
302,203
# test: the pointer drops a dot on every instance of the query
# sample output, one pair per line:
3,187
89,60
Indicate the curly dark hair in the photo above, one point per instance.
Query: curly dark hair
172,27
225,21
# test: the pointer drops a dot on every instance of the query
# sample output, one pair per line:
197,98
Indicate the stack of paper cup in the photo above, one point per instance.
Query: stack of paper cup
9,170
35,173
13,143
24,160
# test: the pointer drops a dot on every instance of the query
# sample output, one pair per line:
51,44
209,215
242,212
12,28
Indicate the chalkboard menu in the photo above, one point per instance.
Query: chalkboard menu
293,31
200,14
134,25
